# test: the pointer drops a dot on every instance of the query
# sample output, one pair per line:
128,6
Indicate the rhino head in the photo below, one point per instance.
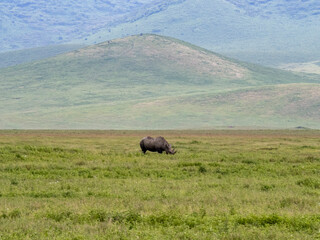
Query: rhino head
171,150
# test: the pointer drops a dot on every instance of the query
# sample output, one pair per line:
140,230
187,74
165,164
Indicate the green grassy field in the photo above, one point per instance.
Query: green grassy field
220,185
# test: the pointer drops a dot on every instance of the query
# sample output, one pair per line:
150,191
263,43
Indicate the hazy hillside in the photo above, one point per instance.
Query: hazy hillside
307,67
267,32
27,24
157,82
29,55
268,8
244,31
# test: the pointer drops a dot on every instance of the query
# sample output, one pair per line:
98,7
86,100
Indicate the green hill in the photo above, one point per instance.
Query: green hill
153,82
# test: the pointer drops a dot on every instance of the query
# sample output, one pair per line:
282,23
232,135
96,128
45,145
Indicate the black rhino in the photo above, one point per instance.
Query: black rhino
156,145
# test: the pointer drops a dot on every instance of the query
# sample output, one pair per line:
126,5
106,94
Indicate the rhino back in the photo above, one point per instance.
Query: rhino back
161,143
148,143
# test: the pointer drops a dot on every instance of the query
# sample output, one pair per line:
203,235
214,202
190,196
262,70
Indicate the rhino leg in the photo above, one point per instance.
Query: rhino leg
143,149
160,151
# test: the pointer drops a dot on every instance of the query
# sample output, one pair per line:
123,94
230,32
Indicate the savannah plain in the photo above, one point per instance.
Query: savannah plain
223,184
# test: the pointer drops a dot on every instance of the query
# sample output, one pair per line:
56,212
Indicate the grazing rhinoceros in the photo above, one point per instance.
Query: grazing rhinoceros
156,145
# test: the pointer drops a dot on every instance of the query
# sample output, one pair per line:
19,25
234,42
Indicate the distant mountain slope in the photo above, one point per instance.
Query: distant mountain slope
161,80
266,32
268,8
27,24
307,67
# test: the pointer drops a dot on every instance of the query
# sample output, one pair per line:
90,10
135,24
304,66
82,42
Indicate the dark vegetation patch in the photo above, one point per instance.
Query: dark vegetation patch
20,150
14,182
295,223
130,217
202,169
268,148
195,220
267,187
248,161
288,202
308,147
42,194
189,164
13,214
310,183
312,159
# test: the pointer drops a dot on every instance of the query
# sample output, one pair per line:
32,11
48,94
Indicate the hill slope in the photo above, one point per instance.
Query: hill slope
124,82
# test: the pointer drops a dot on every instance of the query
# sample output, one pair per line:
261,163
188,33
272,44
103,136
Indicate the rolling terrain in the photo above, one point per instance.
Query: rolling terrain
154,82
